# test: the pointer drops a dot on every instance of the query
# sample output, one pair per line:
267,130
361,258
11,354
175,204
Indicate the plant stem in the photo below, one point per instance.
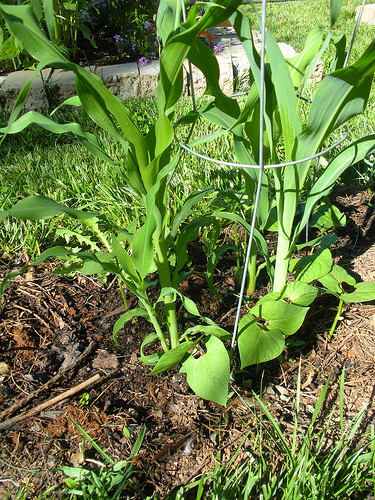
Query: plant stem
162,264
339,309
122,293
282,263
156,325
251,270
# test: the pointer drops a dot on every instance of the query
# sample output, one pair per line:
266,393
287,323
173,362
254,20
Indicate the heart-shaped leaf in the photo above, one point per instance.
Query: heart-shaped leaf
208,375
256,344
280,315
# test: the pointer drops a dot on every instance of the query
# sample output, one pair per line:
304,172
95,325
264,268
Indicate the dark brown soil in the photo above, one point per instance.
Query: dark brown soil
47,321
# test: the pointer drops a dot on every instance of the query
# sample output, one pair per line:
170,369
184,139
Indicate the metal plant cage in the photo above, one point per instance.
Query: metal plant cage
261,167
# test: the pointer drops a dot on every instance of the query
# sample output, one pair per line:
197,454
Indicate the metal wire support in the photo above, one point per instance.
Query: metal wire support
265,167
354,34
261,167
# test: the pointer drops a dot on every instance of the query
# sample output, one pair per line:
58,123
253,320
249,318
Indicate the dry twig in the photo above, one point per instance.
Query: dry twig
24,401
46,404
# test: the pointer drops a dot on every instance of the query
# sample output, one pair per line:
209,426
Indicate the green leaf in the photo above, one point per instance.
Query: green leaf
125,318
187,303
172,357
312,267
280,315
208,375
50,19
297,65
153,358
9,49
143,248
257,344
125,260
300,293
143,245
286,97
138,443
334,11
38,207
210,329
326,216
193,199
364,292
88,140
332,281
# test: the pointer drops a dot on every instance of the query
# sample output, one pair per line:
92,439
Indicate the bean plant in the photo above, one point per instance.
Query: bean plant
155,242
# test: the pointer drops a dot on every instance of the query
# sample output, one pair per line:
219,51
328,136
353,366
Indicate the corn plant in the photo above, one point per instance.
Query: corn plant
285,183
154,241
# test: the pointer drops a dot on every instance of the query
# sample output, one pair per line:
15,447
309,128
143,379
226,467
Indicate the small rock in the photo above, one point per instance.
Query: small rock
77,458
105,360
368,14
4,368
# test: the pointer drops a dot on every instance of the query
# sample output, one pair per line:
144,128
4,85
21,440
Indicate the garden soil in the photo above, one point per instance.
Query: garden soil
56,333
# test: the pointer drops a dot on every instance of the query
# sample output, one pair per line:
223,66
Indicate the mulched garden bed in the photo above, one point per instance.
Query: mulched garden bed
47,322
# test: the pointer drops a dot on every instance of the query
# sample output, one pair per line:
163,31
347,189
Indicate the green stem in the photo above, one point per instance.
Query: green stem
162,264
282,264
337,317
251,270
122,293
156,325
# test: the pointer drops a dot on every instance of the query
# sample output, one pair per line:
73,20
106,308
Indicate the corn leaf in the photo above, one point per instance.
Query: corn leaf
334,11
286,97
38,207
298,64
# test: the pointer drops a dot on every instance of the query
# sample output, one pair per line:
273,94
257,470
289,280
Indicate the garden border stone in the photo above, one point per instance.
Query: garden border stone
127,80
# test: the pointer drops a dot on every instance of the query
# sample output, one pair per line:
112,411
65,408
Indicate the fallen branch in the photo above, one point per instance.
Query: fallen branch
46,404
23,402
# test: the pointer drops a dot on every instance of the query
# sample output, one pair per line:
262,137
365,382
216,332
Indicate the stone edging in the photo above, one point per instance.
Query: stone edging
126,80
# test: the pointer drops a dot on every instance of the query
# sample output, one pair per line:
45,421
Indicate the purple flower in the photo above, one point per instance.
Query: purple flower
148,25
218,48
134,46
118,38
156,43
153,56
143,61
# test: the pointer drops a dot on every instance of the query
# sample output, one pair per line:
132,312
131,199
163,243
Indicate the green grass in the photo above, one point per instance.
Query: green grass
290,22
328,458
